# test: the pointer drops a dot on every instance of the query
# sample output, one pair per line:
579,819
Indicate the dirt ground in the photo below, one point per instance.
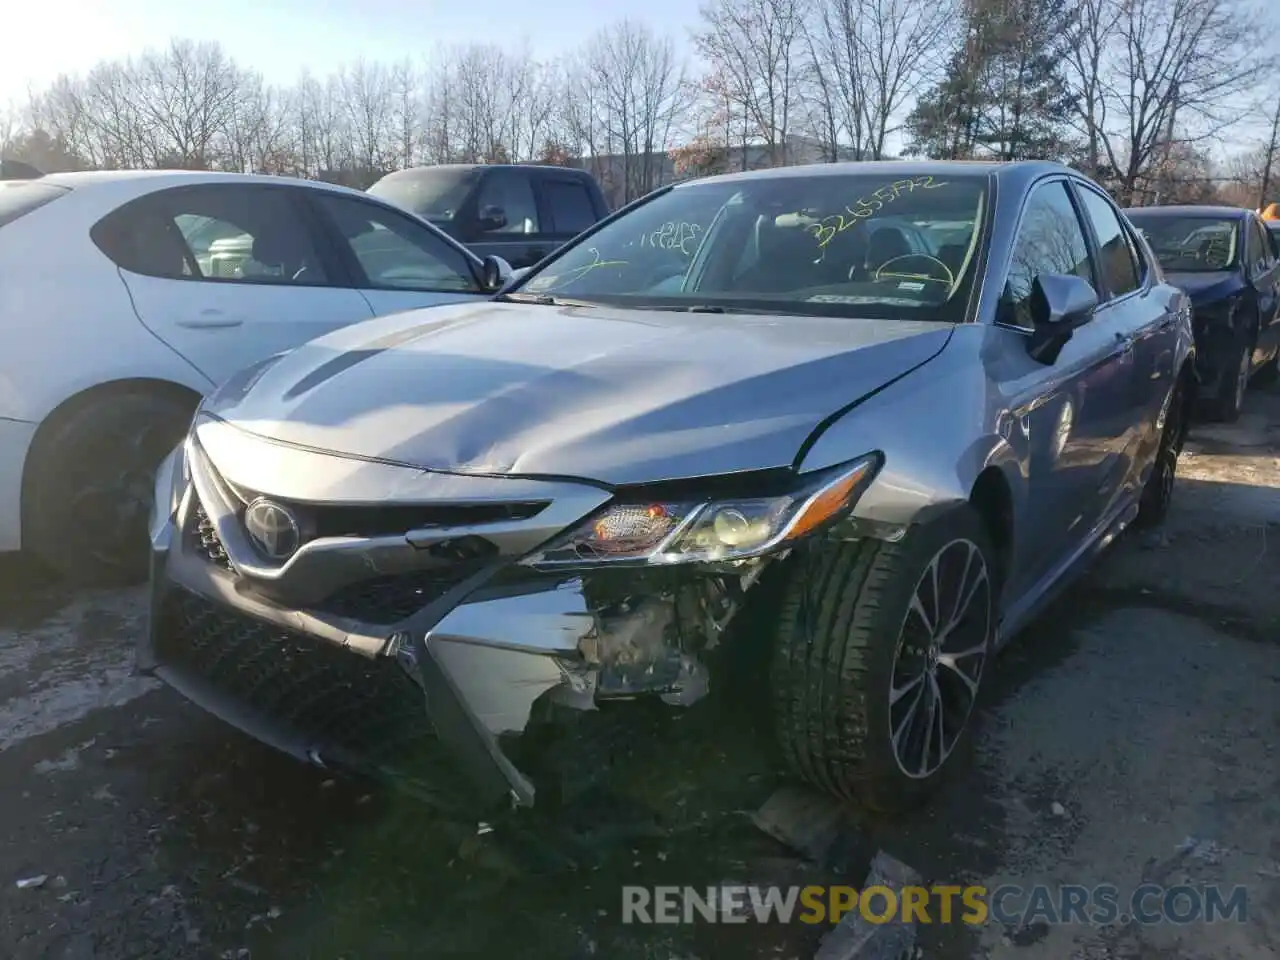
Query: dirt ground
1130,734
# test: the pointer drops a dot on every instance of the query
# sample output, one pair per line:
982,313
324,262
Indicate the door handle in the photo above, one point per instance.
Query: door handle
210,323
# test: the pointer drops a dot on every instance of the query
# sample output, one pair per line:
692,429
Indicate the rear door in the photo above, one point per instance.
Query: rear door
228,273
395,261
1264,275
507,222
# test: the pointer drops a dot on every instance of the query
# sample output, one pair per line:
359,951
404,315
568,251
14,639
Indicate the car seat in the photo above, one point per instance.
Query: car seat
952,254
885,244
284,249
785,260
844,256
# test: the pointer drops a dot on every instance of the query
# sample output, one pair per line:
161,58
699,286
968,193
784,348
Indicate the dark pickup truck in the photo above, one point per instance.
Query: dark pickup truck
515,211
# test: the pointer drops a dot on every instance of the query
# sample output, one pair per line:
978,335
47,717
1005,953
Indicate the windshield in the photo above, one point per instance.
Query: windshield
863,245
1189,244
434,193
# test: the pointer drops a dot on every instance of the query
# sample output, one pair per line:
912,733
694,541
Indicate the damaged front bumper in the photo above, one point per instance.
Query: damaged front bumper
369,652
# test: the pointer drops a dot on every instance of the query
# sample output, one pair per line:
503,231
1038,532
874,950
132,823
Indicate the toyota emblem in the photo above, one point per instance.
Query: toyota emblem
273,529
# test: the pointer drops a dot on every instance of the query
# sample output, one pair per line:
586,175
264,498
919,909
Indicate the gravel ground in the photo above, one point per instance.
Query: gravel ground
1136,716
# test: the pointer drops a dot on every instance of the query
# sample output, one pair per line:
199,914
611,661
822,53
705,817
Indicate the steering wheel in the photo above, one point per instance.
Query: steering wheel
927,269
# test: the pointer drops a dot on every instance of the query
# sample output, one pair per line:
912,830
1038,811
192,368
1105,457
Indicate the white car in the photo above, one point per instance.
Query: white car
125,296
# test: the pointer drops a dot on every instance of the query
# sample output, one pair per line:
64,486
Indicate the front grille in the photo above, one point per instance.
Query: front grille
329,695
204,538
387,600
388,520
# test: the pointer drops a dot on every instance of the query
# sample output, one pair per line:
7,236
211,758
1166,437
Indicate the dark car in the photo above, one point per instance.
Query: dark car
520,212
747,416
1229,264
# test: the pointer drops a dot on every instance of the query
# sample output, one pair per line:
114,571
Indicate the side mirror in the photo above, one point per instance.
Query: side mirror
1060,304
495,273
492,218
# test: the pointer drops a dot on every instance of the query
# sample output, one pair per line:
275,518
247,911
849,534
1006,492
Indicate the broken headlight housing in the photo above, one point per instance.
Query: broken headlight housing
664,532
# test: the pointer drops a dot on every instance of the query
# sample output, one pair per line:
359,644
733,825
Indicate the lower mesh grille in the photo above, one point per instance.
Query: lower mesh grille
387,600
324,693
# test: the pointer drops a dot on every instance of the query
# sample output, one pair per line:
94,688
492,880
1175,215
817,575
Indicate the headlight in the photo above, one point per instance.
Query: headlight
701,531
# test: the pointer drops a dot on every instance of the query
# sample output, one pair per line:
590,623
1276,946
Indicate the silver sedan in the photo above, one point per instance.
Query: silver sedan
879,412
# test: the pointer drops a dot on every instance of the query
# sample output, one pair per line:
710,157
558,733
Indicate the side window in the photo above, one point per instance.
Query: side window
215,233
1114,246
570,206
506,196
395,252
1259,232
1049,240
1252,247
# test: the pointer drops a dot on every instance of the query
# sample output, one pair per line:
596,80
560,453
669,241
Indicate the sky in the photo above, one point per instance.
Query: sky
281,37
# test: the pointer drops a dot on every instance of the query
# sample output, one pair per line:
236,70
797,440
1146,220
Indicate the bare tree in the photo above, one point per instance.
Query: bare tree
630,90
1140,69
185,97
369,104
755,50
870,59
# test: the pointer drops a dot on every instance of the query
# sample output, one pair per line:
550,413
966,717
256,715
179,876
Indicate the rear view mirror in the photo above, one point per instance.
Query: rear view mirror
1060,304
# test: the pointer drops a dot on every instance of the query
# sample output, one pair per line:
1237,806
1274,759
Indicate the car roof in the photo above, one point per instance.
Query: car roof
1020,172
81,179
468,167
1191,210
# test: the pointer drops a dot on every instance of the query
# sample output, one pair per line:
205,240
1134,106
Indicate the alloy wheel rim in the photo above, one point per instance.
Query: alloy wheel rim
941,653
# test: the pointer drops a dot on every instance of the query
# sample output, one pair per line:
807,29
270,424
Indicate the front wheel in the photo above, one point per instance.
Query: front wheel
1233,382
880,653
1157,494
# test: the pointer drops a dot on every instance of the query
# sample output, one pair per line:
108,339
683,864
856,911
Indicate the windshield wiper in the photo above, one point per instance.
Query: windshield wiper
543,300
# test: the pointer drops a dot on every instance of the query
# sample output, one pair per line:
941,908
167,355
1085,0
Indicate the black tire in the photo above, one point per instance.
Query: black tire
89,485
1229,399
845,616
1157,493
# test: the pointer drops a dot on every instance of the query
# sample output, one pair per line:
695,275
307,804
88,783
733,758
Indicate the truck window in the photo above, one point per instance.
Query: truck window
569,202
510,192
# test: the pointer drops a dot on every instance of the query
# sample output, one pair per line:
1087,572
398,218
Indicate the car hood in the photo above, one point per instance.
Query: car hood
1206,287
612,395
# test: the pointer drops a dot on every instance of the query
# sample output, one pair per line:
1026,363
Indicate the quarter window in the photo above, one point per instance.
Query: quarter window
510,194
1119,267
213,233
1050,240
394,252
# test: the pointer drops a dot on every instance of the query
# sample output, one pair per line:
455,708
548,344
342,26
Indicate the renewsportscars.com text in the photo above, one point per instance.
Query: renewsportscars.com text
972,905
